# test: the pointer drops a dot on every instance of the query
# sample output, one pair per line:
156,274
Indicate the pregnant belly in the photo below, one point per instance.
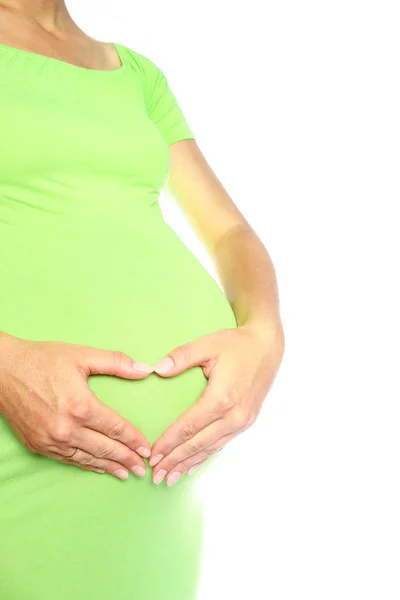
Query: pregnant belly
140,291
78,534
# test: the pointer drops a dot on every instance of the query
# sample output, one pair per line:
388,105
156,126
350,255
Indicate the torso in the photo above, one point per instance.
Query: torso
86,257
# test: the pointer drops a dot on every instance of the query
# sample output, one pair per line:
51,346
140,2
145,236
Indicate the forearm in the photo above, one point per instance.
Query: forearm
248,278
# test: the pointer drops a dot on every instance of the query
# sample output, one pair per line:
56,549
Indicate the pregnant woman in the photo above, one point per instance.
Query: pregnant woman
124,366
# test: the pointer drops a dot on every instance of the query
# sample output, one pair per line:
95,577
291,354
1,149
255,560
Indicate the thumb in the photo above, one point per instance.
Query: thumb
113,362
191,354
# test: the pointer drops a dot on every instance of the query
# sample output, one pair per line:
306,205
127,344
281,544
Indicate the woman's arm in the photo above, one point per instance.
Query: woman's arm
240,363
243,264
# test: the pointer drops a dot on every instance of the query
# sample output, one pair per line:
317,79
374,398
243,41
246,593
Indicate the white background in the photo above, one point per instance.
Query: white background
296,107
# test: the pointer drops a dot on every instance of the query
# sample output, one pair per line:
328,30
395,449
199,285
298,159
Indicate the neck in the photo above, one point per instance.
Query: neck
50,15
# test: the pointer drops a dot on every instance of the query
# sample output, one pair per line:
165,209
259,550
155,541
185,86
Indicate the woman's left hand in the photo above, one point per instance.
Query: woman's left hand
241,364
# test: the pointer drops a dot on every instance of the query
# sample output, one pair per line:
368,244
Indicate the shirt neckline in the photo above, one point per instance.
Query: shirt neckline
20,52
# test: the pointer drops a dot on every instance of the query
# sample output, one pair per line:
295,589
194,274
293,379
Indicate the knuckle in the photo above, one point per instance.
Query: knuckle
184,353
118,359
117,430
195,447
238,419
55,449
184,466
86,459
79,409
106,450
225,403
33,446
207,452
187,431
61,431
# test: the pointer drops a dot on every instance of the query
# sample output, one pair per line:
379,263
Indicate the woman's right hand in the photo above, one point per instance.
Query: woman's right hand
45,397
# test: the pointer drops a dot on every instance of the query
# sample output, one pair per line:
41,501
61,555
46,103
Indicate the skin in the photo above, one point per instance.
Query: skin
240,363
45,398
46,27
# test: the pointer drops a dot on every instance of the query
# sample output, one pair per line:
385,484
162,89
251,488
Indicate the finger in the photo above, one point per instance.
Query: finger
88,462
96,361
107,421
195,445
179,469
189,465
100,446
193,420
196,466
94,469
194,353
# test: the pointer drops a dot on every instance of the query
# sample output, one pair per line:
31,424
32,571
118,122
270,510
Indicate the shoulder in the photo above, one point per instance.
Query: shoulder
142,62
161,104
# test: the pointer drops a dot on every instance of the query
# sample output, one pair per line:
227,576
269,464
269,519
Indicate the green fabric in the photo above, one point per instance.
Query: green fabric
86,257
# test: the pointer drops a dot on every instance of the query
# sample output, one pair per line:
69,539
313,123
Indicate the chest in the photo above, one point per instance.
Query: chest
76,126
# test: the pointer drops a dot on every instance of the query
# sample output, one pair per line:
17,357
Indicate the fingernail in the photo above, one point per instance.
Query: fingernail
173,478
121,474
164,365
193,469
160,476
138,470
98,470
143,367
145,452
155,460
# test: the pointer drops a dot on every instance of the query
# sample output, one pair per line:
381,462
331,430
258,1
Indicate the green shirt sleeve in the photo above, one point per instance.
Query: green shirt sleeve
162,106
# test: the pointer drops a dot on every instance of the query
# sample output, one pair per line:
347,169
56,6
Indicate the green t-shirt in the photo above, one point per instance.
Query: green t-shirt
87,258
